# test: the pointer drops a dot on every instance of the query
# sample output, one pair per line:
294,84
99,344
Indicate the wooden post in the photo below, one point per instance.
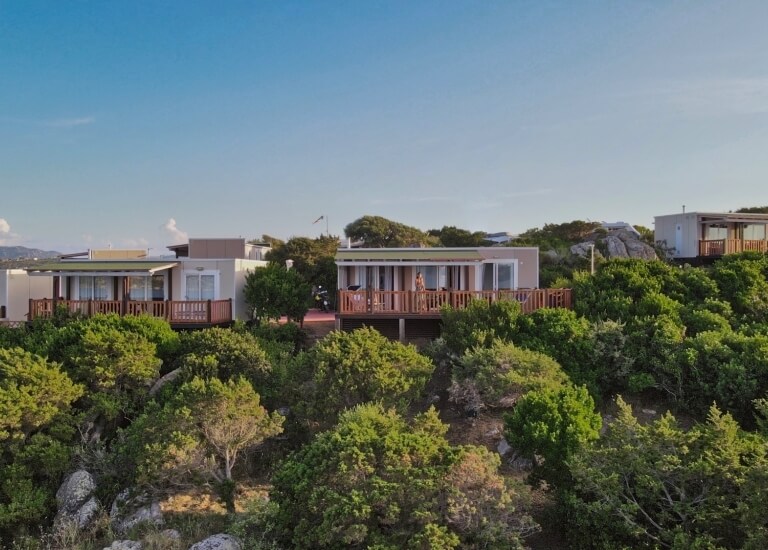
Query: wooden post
209,312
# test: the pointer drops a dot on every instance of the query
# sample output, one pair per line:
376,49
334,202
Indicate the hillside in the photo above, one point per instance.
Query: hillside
23,253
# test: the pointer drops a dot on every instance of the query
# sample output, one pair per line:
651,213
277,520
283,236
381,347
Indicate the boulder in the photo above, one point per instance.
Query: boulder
639,249
75,501
616,247
503,447
128,511
218,542
125,545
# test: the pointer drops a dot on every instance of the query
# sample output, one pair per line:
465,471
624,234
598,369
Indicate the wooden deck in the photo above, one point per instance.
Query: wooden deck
377,303
177,313
721,247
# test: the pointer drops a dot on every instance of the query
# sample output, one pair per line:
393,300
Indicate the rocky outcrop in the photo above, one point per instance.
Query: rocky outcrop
75,501
128,511
218,542
164,380
616,244
125,545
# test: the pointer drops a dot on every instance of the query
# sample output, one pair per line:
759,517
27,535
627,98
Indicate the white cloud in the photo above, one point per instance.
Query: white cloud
136,243
177,235
6,237
70,122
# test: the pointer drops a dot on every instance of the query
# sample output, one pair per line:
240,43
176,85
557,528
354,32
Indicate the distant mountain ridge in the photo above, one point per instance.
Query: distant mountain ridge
24,253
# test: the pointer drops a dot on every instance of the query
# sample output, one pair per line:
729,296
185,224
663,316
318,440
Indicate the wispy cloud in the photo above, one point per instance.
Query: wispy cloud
140,242
530,193
411,200
69,122
177,235
712,97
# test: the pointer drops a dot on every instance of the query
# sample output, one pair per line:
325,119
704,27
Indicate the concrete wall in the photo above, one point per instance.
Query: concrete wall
665,230
17,288
216,248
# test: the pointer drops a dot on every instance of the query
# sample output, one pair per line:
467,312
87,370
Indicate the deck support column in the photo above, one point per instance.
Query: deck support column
401,328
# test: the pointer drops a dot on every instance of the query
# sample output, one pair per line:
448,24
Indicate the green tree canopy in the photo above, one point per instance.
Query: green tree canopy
274,291
660,486
378,232
450,235
376,481
345,369
199,435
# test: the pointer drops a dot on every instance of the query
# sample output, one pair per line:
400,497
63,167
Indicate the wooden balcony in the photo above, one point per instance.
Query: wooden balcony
721,247
377,303
189,313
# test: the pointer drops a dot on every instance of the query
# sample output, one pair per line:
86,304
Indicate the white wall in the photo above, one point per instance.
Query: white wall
17,288
666,229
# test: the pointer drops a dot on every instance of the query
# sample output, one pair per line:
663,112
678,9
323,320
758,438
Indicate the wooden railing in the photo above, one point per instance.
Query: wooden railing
429,302
175,312
721,247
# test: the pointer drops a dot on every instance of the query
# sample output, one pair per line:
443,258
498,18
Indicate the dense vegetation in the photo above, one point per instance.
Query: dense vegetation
356,458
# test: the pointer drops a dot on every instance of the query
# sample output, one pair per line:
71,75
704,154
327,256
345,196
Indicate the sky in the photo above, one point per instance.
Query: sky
134,124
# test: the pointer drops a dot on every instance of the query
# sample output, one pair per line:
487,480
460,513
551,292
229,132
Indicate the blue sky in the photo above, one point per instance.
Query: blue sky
136,124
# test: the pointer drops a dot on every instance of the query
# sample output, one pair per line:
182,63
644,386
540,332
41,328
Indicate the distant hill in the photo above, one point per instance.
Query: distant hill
23,253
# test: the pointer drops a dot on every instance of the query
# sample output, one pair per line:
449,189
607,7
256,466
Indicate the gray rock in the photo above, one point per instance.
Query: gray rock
639,249
128,511
170,534
75,501
218,542
503,447
125,545
616,247
649,412
284,411
75,491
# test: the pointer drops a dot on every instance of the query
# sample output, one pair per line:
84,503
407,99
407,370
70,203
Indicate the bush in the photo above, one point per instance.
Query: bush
345,369
376,481
500,375
479,324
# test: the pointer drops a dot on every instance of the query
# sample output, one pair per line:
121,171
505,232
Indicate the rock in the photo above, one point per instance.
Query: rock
125,545
434,400
649,412
127,511
616,247
75,491
284,411
218,542
503,447
521,464
639,249
170,534
75,500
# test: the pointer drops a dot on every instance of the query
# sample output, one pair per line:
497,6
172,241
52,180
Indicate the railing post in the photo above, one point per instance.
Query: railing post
210,313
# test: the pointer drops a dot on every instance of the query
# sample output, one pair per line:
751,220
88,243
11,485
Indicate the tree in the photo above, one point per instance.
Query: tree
378,232
553,424
452,236
222,353
498,376
36,428
479,324
658,485
345,369
200,435
376,481
274,291
118,367
313,259
553,235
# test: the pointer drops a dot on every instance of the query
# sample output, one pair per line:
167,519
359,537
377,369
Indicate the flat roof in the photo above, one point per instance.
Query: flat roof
102,268
409,254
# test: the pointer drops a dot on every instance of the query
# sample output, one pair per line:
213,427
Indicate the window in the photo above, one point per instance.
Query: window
499,276
148,288
435,276
716,232
754,232
94,288
200,286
